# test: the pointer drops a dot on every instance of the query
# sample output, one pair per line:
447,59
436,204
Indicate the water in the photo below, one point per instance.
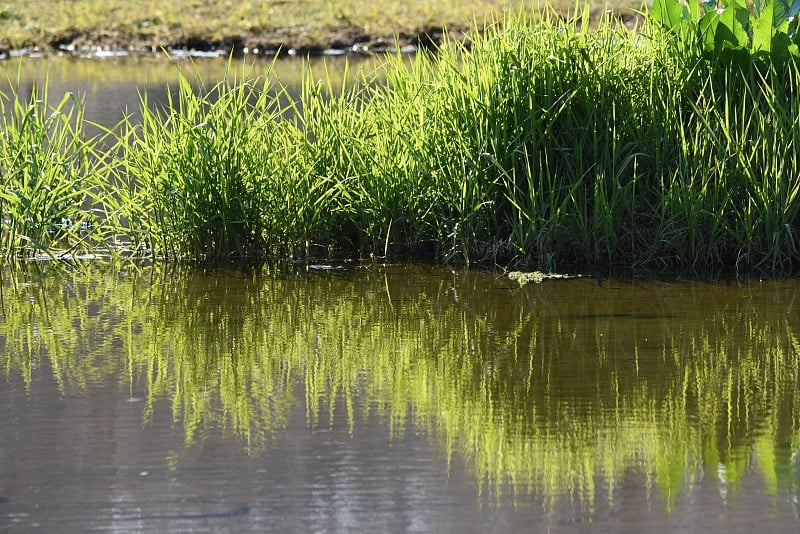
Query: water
385,398
110,88
394,398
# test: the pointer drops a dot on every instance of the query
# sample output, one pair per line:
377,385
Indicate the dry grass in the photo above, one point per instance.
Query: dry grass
267,24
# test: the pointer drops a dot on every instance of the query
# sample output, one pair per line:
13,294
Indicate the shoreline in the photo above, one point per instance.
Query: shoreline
359,45
349,40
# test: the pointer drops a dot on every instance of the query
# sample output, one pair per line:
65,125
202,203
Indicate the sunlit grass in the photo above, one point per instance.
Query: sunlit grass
541,144
196,172
53,188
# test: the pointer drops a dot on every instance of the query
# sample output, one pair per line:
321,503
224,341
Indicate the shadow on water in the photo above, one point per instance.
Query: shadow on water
635,316
572,401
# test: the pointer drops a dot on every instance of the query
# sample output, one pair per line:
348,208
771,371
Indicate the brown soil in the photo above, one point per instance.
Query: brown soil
348,40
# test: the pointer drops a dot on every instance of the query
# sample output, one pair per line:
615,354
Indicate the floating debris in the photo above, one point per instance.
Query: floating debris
326,267
537,277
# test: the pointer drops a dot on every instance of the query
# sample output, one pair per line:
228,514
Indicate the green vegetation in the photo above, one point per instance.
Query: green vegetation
543,144
731,30
50,181
543,392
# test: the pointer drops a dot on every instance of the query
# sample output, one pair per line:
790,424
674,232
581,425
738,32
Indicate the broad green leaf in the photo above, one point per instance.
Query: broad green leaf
669,12
732,27
764,28
693,9
781,46
708,29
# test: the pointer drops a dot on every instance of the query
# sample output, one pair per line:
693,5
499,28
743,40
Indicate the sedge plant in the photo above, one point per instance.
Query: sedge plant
200,172
52,188
542,143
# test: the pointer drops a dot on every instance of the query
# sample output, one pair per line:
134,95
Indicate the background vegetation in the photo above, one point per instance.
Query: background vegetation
257,25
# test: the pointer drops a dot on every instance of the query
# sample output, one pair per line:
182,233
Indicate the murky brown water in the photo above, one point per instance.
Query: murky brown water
395,398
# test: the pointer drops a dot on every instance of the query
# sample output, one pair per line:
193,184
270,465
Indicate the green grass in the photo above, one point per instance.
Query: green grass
542,144
53,186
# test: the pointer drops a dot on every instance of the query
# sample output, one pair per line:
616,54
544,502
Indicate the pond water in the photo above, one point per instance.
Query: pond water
384,398
368,397
110,88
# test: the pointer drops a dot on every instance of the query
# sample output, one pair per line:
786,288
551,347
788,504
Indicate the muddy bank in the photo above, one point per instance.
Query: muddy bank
347,41
290,41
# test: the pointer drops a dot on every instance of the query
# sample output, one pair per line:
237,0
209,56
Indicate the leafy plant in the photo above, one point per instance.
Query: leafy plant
729,29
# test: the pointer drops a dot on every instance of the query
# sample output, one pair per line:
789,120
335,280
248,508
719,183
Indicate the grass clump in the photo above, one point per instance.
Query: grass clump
541,144
194,172
52,190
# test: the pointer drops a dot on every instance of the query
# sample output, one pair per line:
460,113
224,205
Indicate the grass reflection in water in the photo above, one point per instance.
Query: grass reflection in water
549,389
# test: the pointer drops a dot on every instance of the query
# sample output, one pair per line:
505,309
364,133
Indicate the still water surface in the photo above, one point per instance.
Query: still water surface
395,398
110,89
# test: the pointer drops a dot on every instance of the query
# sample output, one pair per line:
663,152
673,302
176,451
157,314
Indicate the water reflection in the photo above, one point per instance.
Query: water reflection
569,393
110,88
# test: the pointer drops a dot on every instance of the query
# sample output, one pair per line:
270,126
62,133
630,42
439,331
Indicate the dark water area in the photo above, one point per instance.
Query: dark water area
394,398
